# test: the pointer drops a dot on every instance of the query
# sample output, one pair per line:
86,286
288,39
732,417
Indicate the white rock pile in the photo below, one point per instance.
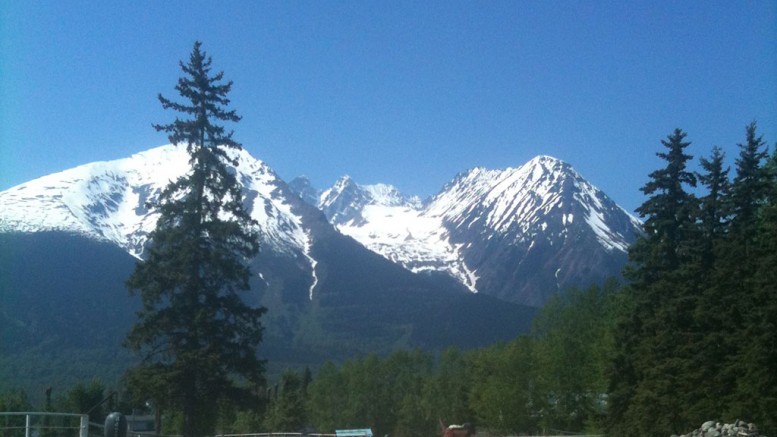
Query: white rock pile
716,429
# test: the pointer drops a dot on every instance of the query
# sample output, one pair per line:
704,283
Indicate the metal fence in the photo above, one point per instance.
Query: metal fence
43,424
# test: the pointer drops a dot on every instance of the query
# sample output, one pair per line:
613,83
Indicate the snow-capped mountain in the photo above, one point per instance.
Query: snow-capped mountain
515,236
302,186
395,226
108,200
519,233
66,238
345,201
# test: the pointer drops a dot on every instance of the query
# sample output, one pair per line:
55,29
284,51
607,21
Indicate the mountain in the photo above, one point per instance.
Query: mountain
302,186
345,201
520,234
64,311
107,201
69,241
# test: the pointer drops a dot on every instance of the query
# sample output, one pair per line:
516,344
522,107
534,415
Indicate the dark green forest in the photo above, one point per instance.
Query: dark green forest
690,337
406,393
699,339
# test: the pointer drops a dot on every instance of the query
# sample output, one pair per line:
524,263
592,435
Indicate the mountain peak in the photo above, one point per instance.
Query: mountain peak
344,181
345,200
545,165
106,200
541,221
305,190
545,159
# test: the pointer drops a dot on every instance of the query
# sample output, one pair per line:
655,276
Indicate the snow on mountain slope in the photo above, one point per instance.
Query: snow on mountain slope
405,235
345,200
486,225
107,201
103,200
518,233
392,224
519,200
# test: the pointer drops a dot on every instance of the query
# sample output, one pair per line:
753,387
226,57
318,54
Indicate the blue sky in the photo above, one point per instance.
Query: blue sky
407,93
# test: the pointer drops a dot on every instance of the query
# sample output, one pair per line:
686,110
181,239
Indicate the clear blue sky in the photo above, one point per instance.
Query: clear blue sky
407,93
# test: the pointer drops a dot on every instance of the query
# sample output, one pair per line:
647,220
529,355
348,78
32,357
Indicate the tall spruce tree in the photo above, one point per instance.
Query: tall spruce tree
713,213
714,324
652,342
757,384
751,183
669,213
197,338
747,263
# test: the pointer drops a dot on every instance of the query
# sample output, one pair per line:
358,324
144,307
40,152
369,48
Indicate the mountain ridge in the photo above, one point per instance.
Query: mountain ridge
328,297
520,233
109,200
495,230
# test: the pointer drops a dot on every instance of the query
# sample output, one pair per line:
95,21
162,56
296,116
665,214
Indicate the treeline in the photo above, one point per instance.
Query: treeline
700,339
554,379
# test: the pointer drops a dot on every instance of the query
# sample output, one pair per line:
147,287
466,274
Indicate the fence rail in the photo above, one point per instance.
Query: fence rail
37,422
43,422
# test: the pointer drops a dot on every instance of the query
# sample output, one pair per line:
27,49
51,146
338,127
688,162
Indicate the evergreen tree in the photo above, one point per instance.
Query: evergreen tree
757,384
656,342
287,412
750,266
713,212
714,324
750,187
669,213
307,378
733,284
197,338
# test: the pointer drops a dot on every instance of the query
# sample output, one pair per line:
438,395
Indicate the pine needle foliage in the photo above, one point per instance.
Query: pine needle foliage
197,338
656,341
698,340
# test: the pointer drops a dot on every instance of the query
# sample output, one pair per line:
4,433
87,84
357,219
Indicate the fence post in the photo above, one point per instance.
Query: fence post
84,431
26,425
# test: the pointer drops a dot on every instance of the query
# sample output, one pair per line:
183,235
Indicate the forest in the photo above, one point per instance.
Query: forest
551,380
